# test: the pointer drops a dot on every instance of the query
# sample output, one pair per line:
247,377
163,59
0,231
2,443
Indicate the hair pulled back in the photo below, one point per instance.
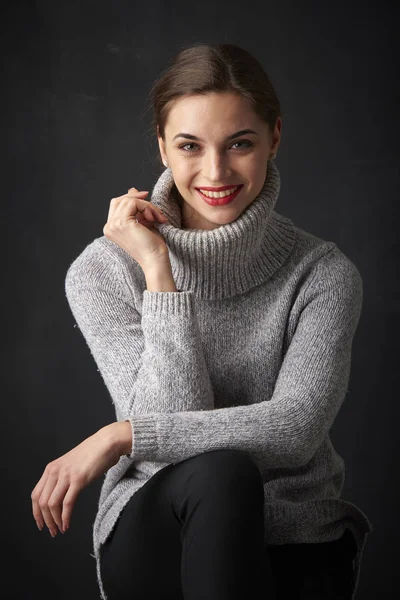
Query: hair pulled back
204,68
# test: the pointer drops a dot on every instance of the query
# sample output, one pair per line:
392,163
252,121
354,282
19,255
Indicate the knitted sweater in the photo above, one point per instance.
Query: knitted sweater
252,352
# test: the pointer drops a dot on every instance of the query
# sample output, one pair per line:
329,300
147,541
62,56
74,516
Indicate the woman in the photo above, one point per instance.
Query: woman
223,333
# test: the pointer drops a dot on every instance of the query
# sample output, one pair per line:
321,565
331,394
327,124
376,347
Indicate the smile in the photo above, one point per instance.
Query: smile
219,198
218,192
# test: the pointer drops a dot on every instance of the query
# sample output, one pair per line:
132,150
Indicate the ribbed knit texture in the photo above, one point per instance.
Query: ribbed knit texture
253,352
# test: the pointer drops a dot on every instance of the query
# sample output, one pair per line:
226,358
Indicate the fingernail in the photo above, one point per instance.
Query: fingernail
38,526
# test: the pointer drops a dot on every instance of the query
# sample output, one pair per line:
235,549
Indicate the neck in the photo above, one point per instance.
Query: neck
228,259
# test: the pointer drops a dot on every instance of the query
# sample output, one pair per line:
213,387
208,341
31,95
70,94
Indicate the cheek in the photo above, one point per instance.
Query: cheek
183,175
258,173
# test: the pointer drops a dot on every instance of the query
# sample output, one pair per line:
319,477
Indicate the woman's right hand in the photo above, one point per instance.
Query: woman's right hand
141,240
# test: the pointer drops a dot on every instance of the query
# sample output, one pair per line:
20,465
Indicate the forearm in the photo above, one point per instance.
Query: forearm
159,277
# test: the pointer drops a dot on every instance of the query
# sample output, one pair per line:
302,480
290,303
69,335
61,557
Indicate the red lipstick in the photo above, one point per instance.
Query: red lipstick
219,201
217,189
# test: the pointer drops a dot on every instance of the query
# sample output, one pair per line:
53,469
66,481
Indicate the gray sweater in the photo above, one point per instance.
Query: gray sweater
253,352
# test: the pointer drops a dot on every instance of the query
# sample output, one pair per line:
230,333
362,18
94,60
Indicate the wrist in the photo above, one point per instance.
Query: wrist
159,277
120,437
162,262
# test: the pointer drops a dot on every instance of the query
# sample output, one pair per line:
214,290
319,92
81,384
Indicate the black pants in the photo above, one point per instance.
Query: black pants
195,531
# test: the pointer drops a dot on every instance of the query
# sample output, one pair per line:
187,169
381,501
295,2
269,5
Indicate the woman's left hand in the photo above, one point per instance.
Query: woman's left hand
54,495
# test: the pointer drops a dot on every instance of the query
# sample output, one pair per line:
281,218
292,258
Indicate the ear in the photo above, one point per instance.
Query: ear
276,136
161,145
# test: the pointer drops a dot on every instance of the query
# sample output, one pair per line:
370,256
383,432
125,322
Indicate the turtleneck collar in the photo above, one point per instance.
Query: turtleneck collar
232,258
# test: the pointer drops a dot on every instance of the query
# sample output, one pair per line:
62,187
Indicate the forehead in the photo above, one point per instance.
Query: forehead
215,112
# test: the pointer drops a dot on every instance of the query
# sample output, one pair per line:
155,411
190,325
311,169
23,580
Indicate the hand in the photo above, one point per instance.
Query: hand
141,240
54,496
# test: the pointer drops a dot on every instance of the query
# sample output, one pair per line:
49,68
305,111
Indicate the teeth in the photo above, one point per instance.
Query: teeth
219,194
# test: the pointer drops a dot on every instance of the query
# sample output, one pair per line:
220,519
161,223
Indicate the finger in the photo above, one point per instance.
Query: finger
115,202
135,193
56,499
134,207
113,205
68,505
156,212
130,204
35,495
44,502
152,214
119,207
148,214
114,209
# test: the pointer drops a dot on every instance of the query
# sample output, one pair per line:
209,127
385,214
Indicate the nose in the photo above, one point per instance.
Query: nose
216,167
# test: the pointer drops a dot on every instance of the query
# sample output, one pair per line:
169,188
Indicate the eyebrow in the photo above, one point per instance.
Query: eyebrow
230,137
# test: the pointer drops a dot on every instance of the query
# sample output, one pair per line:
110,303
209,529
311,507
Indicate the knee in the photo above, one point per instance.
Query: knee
228,467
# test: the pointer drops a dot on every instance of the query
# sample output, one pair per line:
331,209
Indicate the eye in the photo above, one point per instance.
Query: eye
249,144
183,147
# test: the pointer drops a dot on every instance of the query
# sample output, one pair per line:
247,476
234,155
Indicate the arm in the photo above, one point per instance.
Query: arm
286,430
150,361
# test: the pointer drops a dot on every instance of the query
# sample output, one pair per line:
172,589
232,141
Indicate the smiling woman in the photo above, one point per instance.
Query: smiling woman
223,333
219,159
233,131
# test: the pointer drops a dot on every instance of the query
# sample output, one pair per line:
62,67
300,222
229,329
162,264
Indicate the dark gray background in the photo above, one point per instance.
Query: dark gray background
75,93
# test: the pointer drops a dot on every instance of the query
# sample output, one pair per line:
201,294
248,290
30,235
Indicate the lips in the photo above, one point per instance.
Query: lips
219,201
218,189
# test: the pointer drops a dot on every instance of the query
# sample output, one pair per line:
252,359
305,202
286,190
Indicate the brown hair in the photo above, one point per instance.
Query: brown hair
204,68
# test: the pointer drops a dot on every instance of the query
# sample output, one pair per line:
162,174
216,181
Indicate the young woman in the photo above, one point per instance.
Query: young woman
223,333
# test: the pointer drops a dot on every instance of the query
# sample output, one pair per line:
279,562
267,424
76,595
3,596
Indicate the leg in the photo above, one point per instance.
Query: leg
221,508
195,530
141,558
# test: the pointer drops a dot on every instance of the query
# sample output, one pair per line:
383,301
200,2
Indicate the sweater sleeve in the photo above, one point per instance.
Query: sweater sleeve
287,429
140,355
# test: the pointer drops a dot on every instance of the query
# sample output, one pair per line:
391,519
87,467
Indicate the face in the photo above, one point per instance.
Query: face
205,146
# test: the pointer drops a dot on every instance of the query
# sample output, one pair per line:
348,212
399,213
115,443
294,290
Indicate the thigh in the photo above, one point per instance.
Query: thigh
322,571
142,556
